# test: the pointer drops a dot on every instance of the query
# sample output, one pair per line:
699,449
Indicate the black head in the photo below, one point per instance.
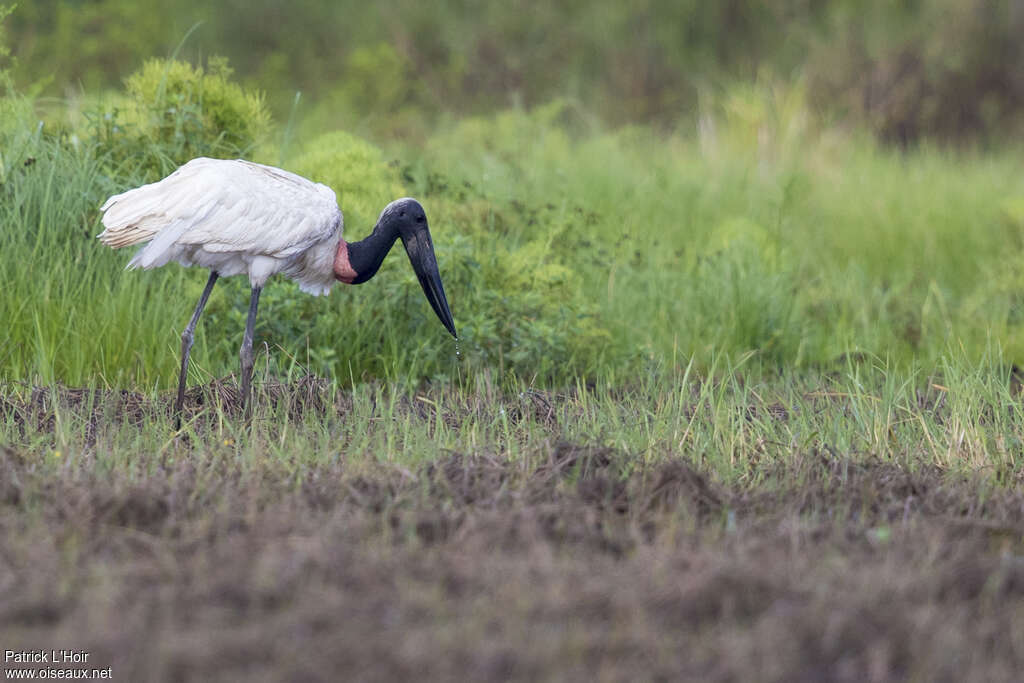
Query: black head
407,217
405,214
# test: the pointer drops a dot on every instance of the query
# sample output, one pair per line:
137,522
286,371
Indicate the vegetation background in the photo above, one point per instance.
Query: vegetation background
612,187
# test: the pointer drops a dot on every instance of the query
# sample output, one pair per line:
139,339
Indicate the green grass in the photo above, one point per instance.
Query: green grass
965,418
652,278
667,249
798,254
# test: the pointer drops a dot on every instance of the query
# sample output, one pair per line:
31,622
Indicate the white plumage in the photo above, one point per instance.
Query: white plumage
232,217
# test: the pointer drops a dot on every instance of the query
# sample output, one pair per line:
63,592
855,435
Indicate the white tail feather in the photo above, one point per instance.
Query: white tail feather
161,249
136,216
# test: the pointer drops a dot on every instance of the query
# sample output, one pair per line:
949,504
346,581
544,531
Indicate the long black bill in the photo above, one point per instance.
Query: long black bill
420,249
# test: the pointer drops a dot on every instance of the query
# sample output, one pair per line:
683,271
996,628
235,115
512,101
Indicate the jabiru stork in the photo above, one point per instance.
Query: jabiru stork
236,217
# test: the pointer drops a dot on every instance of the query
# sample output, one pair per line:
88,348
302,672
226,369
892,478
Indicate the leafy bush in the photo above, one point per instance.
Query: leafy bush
173,111
522,304
356,172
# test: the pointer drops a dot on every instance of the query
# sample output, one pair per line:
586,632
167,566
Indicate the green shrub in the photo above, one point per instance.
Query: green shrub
173,112
356,172
521,303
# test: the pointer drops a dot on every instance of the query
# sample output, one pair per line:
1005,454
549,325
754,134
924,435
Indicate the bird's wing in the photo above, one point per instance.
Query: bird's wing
226,206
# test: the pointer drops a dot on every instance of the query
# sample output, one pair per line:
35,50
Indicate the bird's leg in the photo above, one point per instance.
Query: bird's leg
246,352
186,348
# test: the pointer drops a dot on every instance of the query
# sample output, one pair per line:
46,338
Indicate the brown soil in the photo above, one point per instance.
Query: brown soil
583,565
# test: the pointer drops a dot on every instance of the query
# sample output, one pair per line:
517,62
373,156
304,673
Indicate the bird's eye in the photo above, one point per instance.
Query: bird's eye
420,218
401,214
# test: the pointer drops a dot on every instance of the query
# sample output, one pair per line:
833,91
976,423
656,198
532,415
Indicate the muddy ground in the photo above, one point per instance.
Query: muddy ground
574,562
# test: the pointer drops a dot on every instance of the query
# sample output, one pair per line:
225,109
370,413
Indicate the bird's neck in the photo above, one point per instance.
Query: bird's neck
357,262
